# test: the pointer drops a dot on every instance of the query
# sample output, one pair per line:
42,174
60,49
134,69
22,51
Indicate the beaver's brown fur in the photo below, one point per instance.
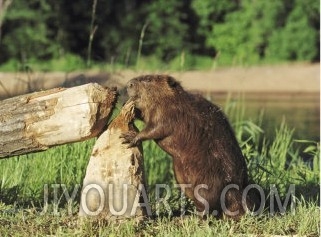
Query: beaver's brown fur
197,135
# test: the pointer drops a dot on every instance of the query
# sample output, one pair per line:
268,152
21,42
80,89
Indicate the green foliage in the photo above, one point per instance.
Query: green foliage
25,33
170,32
67,63
165,35
188,61
294,41
210,11
266,31
241,38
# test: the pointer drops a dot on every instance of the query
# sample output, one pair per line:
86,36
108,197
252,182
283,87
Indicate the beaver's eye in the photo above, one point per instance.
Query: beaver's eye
172,82
148,79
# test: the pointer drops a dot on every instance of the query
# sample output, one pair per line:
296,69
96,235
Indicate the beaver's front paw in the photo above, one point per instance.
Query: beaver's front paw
130,138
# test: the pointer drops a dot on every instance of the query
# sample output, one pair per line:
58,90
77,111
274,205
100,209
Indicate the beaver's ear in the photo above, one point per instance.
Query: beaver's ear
172,82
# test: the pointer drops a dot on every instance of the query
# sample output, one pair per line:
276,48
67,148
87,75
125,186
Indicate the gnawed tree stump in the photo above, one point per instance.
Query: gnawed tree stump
37,121
114,185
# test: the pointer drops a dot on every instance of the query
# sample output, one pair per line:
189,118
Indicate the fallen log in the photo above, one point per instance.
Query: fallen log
37,121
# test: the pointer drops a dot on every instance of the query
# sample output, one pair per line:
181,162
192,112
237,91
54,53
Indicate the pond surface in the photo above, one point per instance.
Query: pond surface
301,111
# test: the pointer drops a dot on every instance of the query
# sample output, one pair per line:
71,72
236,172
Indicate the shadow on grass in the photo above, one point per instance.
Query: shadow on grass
309,192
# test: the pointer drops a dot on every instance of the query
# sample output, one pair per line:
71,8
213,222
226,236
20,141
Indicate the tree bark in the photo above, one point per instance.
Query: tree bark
37,121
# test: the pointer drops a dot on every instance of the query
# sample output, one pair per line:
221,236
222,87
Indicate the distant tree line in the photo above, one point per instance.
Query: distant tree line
229,31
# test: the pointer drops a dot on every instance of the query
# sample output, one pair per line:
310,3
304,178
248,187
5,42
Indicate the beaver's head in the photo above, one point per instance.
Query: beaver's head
151,90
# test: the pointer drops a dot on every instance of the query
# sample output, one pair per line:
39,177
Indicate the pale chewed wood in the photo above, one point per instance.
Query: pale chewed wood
37,121
114,183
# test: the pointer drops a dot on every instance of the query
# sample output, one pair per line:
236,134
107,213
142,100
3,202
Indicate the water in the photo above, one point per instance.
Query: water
301,111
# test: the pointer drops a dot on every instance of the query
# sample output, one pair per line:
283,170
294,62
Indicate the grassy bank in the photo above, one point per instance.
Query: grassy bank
24,180
28,222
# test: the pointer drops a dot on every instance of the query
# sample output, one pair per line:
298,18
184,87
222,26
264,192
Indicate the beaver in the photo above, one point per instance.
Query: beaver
196,133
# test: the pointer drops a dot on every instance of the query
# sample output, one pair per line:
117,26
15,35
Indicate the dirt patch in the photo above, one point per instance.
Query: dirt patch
287,78
279,78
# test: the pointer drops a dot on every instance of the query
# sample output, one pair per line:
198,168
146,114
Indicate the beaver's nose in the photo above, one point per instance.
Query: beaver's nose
131,83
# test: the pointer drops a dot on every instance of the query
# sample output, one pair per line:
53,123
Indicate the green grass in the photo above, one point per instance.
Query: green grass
71,62
28,222
275,160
